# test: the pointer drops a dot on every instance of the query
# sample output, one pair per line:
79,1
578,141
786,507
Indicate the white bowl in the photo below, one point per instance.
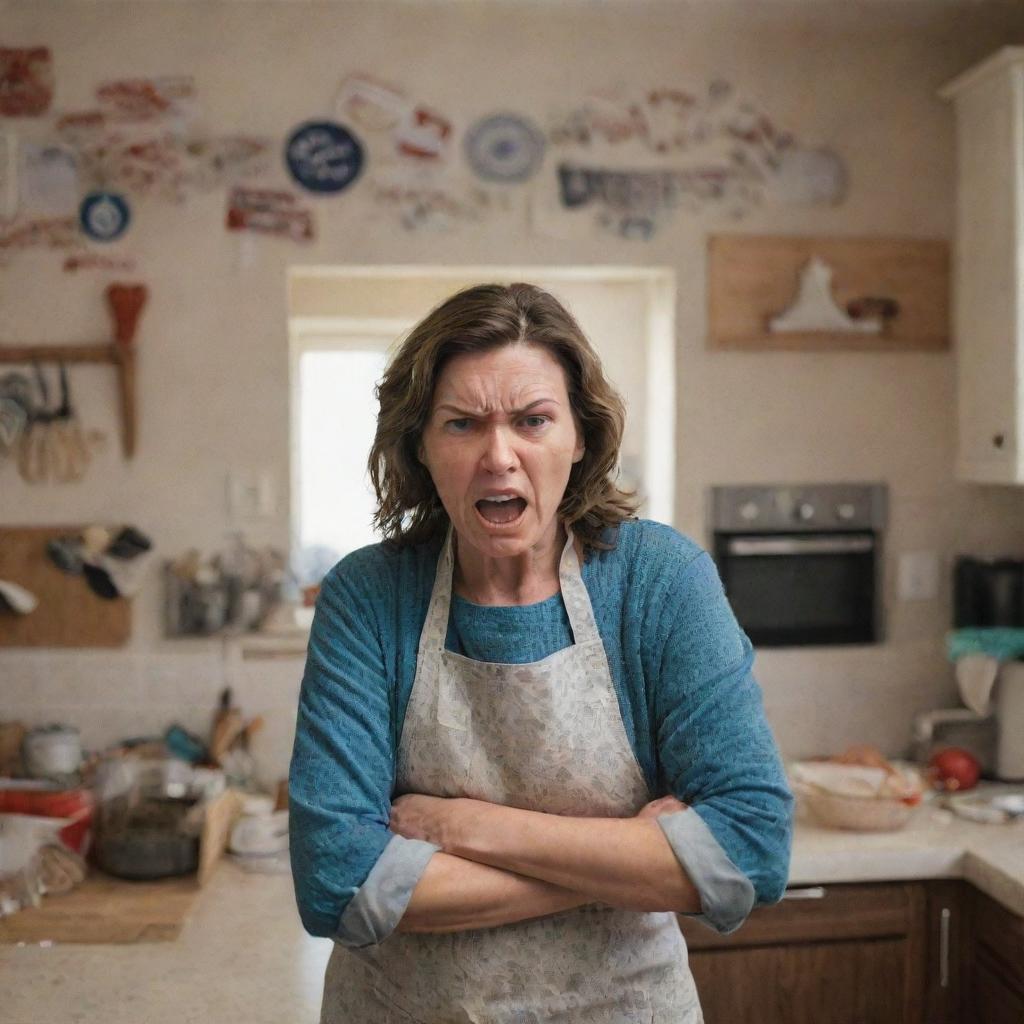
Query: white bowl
858,813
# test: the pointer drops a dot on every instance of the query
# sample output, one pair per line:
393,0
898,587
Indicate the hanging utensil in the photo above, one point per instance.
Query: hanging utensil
33,451
68,452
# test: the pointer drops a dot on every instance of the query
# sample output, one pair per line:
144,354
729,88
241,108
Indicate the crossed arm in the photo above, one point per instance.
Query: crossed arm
503,864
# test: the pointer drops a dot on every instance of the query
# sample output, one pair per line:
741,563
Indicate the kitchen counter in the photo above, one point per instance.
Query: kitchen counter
244,956
934,844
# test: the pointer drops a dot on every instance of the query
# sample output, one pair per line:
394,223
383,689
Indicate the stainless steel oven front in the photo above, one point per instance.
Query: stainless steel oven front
801,563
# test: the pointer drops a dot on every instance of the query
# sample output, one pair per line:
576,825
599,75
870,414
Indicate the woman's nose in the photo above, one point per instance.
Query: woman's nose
499,454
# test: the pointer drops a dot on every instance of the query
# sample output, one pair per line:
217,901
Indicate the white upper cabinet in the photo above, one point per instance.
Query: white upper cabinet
988,289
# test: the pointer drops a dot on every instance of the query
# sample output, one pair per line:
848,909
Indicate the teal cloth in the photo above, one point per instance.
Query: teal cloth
1006,643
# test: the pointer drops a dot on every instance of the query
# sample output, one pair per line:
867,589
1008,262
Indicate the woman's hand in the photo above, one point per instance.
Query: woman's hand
663,805
417,816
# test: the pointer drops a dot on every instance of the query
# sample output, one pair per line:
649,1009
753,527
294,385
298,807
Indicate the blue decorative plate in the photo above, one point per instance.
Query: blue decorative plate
104,216
322,156
504,147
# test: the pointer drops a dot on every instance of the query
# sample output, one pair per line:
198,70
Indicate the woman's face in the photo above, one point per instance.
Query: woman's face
500,442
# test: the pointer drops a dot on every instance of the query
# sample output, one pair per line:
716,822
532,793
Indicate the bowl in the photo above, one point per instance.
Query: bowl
858,813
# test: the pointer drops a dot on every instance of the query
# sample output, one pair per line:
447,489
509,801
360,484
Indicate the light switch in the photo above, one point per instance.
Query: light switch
251,494
918,576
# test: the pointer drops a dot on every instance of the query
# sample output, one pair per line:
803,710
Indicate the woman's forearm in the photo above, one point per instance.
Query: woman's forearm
624,862
454,894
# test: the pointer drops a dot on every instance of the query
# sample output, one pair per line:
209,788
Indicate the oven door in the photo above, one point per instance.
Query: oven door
801,589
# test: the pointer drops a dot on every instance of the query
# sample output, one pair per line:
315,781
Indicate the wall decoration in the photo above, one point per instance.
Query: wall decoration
827,294
423,134
633,203
433,205
104,216
47,180
98,261
726,154
814,308
45,232
371,104
218,161
269,212
808,176
26,81
8,175
504,147
152,159
171,97
323,156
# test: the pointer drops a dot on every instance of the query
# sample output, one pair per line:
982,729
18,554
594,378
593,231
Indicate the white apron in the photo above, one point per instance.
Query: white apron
546,736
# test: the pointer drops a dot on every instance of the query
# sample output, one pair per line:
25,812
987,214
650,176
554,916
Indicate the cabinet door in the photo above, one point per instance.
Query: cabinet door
804,983
987,299
997,969
842,954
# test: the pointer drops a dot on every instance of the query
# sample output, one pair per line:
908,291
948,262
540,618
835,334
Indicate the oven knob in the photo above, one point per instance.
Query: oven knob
805,510
748,510
847,510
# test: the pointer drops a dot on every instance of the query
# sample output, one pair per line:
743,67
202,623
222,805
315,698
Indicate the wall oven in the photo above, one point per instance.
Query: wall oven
801,563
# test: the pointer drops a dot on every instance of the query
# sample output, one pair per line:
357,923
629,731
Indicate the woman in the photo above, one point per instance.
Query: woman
528,732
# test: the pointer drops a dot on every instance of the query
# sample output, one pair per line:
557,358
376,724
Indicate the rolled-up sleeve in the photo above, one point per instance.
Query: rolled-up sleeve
353,877
717,754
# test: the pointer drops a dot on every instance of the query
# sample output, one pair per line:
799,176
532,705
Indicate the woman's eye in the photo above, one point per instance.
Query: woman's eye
458,426
534,421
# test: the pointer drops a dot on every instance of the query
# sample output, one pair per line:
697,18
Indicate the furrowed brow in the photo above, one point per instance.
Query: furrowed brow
515,412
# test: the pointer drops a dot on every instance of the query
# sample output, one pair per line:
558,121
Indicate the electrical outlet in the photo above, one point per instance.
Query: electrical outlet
918,576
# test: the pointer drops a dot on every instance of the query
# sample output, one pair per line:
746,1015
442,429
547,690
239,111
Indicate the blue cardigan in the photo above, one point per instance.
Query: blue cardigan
681,665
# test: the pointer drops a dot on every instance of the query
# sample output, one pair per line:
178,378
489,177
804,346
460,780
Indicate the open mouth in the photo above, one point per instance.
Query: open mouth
501,511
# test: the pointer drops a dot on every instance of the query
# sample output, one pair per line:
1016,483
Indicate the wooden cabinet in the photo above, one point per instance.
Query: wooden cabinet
988,284
892,953
842,954
995,964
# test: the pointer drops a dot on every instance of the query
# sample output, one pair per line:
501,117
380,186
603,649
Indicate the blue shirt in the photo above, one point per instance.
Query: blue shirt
681,665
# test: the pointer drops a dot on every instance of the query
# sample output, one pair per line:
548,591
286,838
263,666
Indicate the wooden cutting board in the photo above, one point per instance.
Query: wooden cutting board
69,613
105,909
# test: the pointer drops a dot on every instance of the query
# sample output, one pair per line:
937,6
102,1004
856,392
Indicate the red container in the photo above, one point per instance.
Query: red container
76,804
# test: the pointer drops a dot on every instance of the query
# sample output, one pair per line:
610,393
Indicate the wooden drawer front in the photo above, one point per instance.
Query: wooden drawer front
1000,942
843,912
822,983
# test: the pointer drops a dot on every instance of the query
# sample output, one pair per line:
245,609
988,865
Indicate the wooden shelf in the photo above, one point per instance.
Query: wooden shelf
126,302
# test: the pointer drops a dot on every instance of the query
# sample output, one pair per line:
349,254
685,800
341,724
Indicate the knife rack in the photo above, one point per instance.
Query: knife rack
126,302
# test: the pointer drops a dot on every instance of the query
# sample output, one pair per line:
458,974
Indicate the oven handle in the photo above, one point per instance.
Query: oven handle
798,545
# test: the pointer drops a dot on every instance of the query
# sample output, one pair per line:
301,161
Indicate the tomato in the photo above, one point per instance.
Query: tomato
954,768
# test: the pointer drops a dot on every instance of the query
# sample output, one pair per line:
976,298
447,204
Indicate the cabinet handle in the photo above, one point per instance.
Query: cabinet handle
814,892
944,947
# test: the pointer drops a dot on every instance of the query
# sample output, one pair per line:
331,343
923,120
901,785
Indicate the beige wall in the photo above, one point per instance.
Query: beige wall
860,78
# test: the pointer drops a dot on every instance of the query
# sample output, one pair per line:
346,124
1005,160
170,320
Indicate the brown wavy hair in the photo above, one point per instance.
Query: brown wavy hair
478,319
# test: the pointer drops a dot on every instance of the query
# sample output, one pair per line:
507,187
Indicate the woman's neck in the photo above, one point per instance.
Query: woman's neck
521,579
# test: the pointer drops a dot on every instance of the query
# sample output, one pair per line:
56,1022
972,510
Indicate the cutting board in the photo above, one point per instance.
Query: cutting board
69,613
105,909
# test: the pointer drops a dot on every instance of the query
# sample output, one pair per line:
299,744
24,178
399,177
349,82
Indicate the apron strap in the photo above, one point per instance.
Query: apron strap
574,594
435,626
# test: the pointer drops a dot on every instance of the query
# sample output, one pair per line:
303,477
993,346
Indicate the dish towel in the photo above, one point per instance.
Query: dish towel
978,652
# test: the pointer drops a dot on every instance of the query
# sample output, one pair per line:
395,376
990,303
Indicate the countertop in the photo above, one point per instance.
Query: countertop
243,955
934,844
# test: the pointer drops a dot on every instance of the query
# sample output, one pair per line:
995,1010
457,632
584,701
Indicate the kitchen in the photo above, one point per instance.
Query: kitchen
856,84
